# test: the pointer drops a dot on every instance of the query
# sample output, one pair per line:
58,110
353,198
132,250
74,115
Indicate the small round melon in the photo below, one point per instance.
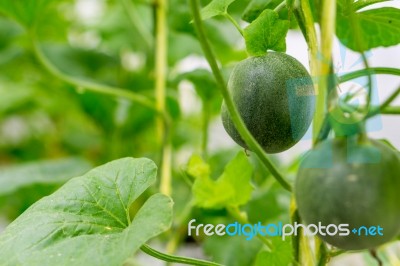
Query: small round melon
275,97
342,181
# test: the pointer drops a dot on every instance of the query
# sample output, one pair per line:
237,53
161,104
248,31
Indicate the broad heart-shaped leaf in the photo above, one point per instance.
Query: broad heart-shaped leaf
232,188
24,11
86,222
267,32
215,8
13,178
361,31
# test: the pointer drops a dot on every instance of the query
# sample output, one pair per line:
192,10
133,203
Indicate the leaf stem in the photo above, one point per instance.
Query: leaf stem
177,259
391,110
328,22
81,84
205,126
236,118
311,36
280,6
364,72
323,252
295,217
234,22
160,91
88,85
385,105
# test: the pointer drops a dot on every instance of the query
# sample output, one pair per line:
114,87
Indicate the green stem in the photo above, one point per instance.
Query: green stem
295,217
234,22
88,85
391,110
307,21
242,218
205,126
323,252
364,72
235,116
327,35
160,90
385,105
177,259
298,13
280,6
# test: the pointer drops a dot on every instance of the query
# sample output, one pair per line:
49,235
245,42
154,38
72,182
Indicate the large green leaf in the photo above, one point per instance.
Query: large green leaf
24,11
361,31
86,222
232,188
13,178
267,32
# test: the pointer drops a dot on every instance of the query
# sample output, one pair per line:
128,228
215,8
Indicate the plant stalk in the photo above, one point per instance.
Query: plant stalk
372,70
234,22
160,90
235,116
177,259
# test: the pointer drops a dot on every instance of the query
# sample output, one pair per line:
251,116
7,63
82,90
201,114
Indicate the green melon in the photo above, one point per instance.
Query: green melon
344,182
275,97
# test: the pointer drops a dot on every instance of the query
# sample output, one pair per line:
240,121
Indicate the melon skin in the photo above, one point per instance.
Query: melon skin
344,182
275,97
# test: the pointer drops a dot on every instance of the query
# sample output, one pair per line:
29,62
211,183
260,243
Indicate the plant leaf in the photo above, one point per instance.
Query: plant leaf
281,255
267,32
215,8
86,222
364,3
13,178
256,7
232,188
375,28
25,12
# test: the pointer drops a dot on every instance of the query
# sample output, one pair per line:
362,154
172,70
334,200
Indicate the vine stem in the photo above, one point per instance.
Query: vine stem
234,22
307,21
328,26
205,127
160,90
88,85
295,218
385,105
280,6
328,22
234,113
372,70
391,110
177,259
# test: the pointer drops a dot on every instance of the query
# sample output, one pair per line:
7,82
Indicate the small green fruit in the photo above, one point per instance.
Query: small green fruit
344,182
274,95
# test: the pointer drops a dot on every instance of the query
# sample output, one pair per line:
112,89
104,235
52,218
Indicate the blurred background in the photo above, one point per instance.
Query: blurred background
51,130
